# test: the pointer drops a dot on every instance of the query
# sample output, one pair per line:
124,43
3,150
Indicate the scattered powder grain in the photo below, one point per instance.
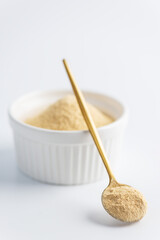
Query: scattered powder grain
124,203
65,114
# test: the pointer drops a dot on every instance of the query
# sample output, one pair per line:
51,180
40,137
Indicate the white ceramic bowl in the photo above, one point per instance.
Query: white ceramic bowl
64,157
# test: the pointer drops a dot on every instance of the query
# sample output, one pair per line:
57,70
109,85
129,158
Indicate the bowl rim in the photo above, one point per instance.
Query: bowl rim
44,130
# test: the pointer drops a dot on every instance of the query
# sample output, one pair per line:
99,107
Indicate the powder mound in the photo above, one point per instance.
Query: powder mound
65,114
124,203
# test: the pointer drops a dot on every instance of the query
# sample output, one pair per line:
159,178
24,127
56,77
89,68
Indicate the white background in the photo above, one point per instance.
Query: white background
113,47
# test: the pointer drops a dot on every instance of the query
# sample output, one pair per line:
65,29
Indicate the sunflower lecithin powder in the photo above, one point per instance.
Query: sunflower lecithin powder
65,114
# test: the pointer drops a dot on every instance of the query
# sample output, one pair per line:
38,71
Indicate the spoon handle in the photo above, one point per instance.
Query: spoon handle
89,121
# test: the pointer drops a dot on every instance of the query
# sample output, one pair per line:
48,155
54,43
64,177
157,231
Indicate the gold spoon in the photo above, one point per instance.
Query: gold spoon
121,201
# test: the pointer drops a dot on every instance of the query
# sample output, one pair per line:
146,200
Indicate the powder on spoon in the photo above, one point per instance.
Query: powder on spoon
65,114
124,203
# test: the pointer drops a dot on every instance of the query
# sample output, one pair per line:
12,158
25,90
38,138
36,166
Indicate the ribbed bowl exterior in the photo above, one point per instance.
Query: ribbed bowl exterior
65,164
67,158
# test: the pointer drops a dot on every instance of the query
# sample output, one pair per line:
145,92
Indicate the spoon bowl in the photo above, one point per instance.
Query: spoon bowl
123,202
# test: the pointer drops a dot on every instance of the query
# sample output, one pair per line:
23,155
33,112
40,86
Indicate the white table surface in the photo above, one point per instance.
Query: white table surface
113,47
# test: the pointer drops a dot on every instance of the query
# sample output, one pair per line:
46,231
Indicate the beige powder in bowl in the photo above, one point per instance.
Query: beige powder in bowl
65,114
